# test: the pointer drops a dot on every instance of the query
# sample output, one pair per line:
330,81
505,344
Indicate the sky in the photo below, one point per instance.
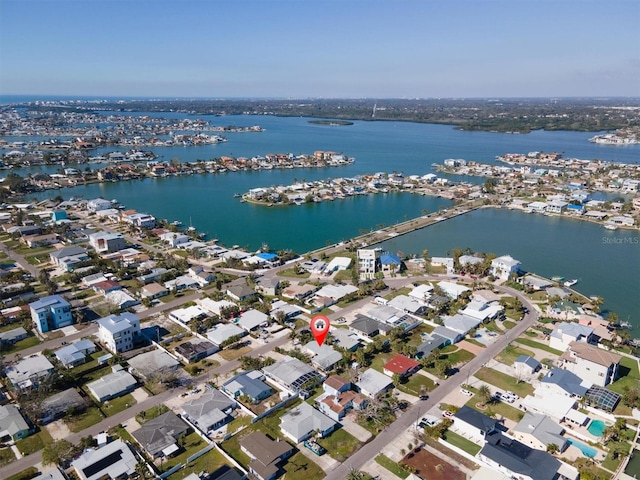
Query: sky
320,48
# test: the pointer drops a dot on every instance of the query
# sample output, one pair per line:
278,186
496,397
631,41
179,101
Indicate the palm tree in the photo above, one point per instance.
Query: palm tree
484,394
356,475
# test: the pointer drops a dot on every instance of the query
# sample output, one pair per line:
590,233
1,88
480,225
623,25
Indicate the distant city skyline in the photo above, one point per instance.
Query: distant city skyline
322,49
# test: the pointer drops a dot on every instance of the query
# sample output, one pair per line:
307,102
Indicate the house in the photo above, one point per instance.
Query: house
152,276
373,383
564,382
121,299
153,290
481,309
298,292
174,238
517,460
12,424
186,315
268,285
60,404
368,327
337,405
525,366
159,436
461,323
337,264
35,241
407,304
113,385
331,294
108,286
400,365
195,350
223,332
551,404
200,275
119,333
183,282
209,411
344,339
12,336
76,353
91,280
430,344
473,424
241,293
450,336
289,311
105,242
421,292
503,267
566,332
252,319
303,421
292,374
147,364
69,258
29,371
536,283
215,307
369,262
248,384
539,431
452,290
591,363
98,204
324,356
446,262
335,385
114,461
50,313
390,263
266,455
557,206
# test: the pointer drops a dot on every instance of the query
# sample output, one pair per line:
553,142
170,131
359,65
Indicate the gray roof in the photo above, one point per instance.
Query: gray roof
266,453
461,323
252,319
567,381
291,372
74,352
114,459
160,433
11,420
325,356
224,331
446,333
528,361
112,385
248,383
373,382
301,421
542,428
61,402
49,302
433,343
572,329
344,338
148,363
11,335
519,458
209,408
476,419
68,252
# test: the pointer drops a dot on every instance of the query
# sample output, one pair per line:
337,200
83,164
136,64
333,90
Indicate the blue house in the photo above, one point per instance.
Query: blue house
50,313
58,215
249,384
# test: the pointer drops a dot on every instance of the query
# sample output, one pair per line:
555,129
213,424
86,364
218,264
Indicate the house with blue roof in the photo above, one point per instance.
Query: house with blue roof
50,313
565,383
390,263
249,384
75,354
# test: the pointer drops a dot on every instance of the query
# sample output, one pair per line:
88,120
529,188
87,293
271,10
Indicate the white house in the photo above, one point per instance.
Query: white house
591,363
303,421
118,333
567,332
473,424
503,267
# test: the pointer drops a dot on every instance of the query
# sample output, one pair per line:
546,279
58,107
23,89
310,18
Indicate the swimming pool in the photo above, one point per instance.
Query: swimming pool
586,450
596,428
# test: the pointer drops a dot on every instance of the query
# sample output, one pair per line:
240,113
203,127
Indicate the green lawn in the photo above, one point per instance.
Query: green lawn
291,272
504,381
510,353
340,444
508,324
628,368
117,405
78,423
28,342
412,387
613,463
380,359
239,422
392,466
192,443
26,474
38,259
462,443
540,346
209,462
6,456
459,356
151,413
35,442
498,408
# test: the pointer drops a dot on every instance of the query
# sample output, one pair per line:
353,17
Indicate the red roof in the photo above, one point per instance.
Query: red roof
106,285
401,365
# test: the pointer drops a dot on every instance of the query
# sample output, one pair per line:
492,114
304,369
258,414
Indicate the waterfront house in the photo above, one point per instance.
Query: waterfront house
119,333
174,238
390,264
248,384
98,204
563,382
114,460
12,424
539,431
566,332
369,262
159,436
50,313
503,267
591,363
557,206
303,421
113,385
267,456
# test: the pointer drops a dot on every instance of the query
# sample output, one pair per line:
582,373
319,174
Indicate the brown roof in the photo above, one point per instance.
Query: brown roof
594,354
335,382
154,288
401,364
265,451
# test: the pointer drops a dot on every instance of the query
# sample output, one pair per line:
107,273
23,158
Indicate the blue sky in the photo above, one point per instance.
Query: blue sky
329,48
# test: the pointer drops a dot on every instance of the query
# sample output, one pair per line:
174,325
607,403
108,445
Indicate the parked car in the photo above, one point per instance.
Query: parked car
466,392
447,414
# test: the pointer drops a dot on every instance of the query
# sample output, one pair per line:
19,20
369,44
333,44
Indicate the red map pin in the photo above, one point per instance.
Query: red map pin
320,327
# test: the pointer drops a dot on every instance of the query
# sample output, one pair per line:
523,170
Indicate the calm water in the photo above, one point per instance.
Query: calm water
545,245
606,263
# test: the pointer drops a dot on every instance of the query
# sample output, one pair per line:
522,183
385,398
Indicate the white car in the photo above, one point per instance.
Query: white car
447,414
466,392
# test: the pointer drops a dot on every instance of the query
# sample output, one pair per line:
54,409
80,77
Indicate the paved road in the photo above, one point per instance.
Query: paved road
388,436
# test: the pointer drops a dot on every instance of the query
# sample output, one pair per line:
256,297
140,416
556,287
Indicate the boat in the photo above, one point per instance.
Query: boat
570,283
557,279
176,223
610,227
236,195
625,325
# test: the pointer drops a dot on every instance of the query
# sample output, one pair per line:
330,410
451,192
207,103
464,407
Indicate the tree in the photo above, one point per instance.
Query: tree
57,452
484,394
357,475
552,448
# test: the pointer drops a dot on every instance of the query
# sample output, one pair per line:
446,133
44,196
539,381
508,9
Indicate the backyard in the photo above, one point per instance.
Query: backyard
340,444
504,381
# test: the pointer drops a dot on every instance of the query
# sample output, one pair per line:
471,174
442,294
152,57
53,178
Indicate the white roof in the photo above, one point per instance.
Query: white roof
452,290
552,404
372,382
252,319
481,310
461,323
185,315
213,306
153,361
34,366
421,292
117,323
336,292
576,416
339,263
121,465
120,297
506,260
113,384
223,332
